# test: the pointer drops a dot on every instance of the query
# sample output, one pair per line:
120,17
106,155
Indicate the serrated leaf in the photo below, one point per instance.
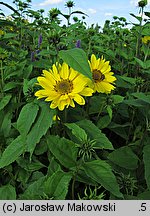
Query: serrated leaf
94,133
7,192
12,152
146,159
102,173
27,117
56,186
77,131
124,157
77,59
43,121
64,150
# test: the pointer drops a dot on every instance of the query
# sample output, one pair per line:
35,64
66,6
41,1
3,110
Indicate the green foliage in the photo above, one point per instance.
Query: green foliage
124,157
12,152
7,192
77,59
96,151
65,150
101,172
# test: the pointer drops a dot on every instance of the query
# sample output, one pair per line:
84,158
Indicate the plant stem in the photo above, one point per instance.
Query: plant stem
2,75
73,185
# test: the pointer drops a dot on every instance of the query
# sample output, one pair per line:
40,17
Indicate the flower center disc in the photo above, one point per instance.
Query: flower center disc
98,76
64,87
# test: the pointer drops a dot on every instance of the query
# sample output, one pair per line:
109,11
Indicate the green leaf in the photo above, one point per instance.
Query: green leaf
9,35
94,133
134,102
124,157
28,71
77,131
103,122
97,103
141,63
147,14
6,124
12,152
117,99
78,12
10,85
34,191
109,110
142,96
146,158
43,121
144,196
4,101
27,117
101,172
7,192
77,59
120,129
137,17
64,150
30,165
56,186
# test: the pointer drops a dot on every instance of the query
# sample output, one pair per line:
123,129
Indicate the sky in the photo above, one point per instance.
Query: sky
98,10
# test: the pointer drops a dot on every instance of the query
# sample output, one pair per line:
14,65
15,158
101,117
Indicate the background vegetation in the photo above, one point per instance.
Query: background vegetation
97,151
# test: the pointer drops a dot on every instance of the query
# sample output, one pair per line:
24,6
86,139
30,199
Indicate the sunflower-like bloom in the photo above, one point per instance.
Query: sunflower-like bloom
62,86
146,39
102,76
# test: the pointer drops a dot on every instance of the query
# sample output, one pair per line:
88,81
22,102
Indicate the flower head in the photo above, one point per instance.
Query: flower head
102,76
63,85
146,39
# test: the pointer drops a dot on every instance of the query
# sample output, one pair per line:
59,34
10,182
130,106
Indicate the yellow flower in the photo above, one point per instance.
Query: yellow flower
102,76
145,39
63,85
56,117
2,32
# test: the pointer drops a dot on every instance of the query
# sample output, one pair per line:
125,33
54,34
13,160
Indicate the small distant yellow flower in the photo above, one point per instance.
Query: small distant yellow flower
125,45
2,32
63,85
145,39
102,76
56,117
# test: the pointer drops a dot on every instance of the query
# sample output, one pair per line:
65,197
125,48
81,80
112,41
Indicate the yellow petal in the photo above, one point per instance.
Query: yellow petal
94,62
52,95
64,73
49,77
79,83
73,74
62,105
41,93
55,72
87,91
45,83
54,104
79,99
72,103
109,78
108,87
